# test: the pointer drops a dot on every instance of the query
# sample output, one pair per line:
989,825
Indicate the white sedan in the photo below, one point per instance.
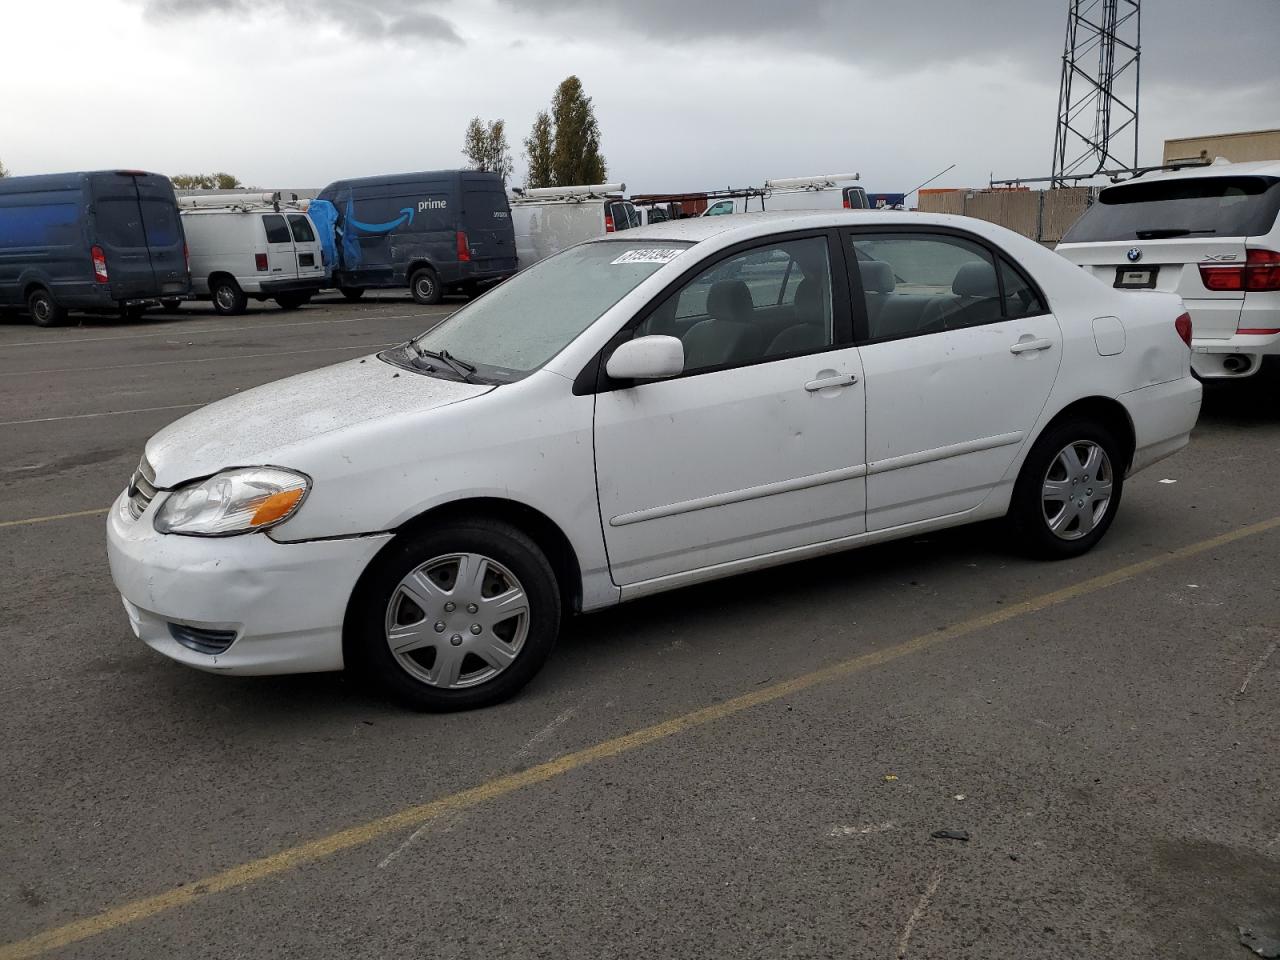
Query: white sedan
638,413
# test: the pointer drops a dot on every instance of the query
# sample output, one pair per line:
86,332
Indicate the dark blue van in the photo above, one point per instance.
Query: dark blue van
435,232
109,240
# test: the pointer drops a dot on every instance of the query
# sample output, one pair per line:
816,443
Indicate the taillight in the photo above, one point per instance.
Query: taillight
1183,326
99,264
464,248
847,204
1260,272
608,223
260,261
186,257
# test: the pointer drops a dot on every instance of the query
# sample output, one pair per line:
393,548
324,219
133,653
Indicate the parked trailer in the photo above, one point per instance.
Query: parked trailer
102,240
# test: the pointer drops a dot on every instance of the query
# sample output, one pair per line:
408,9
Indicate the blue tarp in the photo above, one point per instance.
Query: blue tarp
325,216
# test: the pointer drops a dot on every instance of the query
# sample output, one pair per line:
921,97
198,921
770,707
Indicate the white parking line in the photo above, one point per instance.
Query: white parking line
170,363
107,413
171,331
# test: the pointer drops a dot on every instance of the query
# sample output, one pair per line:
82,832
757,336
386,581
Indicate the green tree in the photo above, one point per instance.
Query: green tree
538,148
225,181
575,156
485,147
205,181
4,171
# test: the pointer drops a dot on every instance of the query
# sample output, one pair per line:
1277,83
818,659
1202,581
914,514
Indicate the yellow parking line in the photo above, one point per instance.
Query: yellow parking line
57,516
414,816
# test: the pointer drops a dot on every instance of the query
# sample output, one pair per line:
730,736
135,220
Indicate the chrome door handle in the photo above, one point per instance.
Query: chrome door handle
1026,346
844,380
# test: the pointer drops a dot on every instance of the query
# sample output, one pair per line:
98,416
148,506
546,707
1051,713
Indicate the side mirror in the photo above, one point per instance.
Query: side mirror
647,358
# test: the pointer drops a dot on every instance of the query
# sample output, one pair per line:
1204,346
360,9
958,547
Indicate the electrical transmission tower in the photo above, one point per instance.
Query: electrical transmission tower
1098,98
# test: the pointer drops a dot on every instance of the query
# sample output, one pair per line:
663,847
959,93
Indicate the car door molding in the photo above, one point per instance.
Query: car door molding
741,496
889,464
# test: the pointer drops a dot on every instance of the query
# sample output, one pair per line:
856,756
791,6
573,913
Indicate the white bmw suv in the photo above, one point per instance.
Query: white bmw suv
1210,234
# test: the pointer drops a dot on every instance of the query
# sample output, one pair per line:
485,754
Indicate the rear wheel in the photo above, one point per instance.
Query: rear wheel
352,293
228,299
458,617
171,306
132,312
1068,491
45,311
425,286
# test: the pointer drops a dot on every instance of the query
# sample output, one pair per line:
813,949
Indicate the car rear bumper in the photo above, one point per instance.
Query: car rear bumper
281,605
1217,359
271,288
1163,416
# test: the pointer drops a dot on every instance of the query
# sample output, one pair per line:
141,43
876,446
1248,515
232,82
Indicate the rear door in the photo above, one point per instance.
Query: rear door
486,218
1157,235
306,245
166,245
119,231
282,259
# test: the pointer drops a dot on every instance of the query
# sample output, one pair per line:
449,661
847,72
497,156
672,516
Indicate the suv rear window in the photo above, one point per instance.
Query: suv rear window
1200,206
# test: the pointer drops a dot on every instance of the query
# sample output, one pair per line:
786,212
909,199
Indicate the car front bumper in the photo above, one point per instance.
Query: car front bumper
284,602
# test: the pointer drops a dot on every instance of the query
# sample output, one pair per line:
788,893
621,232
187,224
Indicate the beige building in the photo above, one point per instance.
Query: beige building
1236,147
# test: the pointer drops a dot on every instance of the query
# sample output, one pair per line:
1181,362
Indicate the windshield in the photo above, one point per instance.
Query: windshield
1199,207
519,325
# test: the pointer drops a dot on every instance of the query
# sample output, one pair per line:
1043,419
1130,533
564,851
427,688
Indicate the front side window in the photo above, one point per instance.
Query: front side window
277,231
916,283
768,302
719,209
301,228
522,323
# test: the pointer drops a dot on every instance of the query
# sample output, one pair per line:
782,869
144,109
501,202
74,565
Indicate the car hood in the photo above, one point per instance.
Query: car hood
263,425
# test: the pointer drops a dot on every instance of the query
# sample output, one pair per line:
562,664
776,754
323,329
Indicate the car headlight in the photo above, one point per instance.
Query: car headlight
243,500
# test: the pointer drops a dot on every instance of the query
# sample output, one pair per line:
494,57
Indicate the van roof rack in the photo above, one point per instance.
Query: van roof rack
592,191
241,202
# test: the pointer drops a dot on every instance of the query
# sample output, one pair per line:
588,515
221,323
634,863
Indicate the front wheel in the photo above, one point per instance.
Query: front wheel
1068,491
425,286
458,617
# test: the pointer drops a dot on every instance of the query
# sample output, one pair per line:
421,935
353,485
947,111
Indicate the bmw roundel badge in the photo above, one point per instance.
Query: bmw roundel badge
1134,254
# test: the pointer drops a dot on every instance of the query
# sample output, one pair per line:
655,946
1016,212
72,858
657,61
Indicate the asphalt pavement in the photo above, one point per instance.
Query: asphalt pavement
752,768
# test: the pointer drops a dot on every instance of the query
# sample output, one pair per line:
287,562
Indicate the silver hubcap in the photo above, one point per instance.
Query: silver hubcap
42,309
457,621
425,288
226,298
1077,490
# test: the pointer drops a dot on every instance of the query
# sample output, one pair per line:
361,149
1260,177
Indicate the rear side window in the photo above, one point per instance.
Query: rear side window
277,231
917,283
1020,298
1195,207
302,231
119,222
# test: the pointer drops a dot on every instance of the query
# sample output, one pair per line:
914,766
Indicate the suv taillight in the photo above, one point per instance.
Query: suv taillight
1183,326
464,248
1259,272
99,264
260,261
608,223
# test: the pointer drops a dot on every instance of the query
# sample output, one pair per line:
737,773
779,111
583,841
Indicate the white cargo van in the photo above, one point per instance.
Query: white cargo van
550,219
795,193
251,245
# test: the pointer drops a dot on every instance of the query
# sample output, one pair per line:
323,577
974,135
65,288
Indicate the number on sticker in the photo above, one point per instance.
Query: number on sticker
648,256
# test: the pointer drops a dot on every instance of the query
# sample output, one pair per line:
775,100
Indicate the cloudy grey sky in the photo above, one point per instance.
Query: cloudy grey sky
690,94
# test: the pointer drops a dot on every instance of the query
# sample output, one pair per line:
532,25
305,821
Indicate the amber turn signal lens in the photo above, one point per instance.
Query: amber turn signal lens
275,506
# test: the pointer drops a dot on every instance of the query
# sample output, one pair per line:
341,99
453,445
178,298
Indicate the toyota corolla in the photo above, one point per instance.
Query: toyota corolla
639,413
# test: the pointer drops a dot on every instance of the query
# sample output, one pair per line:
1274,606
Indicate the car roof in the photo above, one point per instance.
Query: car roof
747,225
1255,168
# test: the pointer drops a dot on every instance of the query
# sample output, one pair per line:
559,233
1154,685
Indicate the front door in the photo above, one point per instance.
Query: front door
960,352
759,446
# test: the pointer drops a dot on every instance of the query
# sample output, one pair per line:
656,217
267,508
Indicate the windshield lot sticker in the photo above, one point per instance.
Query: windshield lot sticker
648,256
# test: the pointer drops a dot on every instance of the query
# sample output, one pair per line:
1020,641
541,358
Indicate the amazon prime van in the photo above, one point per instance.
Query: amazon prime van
436,232
101,241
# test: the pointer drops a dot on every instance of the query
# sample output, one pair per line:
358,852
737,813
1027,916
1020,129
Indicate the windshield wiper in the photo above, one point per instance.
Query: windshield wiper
460,367
1166,234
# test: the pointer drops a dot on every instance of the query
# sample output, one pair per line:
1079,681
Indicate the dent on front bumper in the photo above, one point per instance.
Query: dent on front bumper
285,602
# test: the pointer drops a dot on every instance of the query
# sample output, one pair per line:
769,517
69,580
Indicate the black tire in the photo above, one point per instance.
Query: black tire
292,301
1029,510
228,299
44,310
352,293
425,286
132,313
171,306
369,654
